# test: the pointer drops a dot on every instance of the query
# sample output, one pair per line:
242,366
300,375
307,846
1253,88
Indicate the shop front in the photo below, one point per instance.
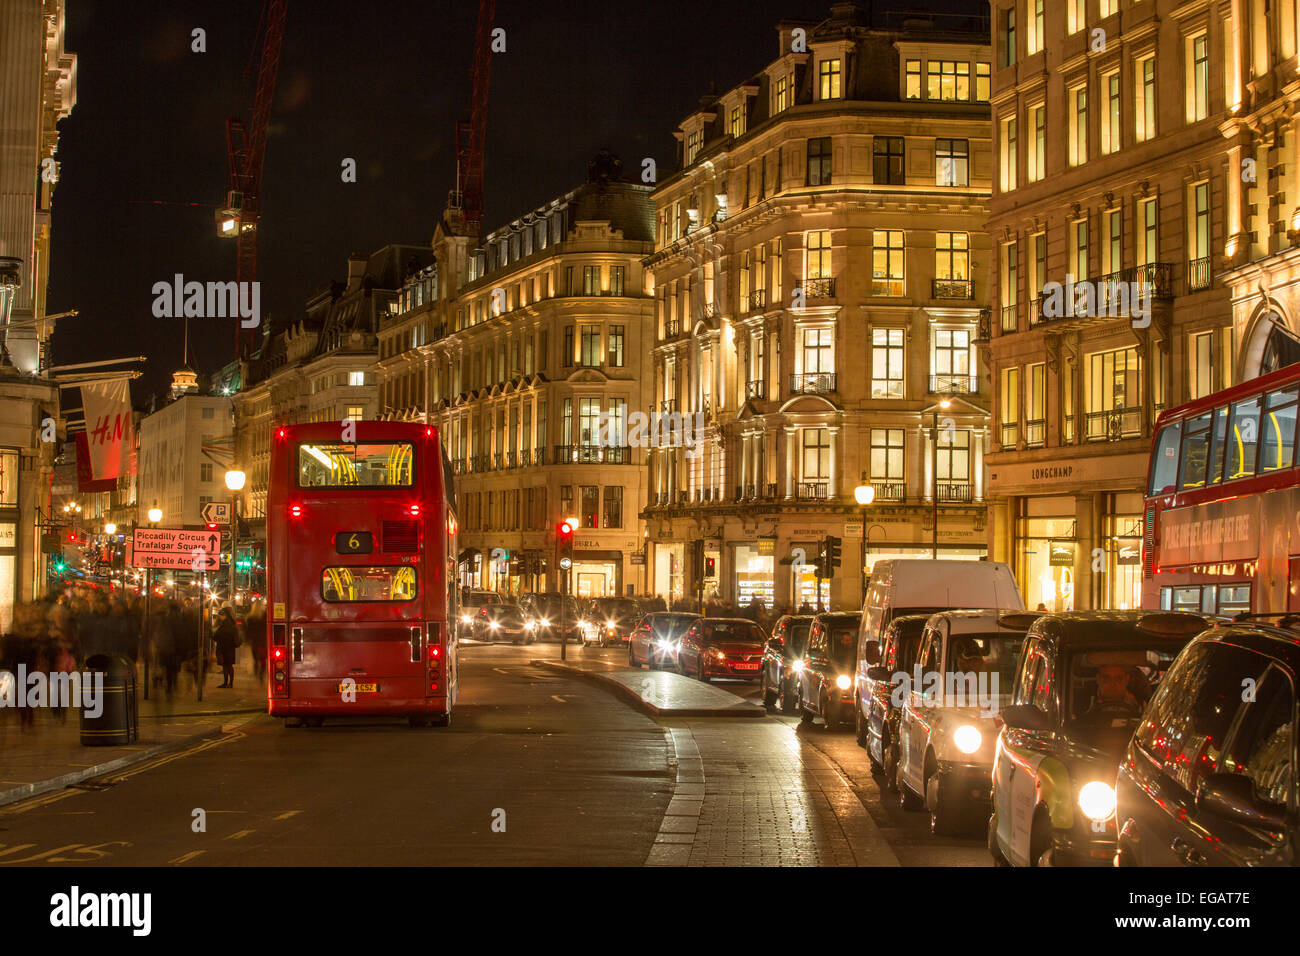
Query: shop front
755,571
669,577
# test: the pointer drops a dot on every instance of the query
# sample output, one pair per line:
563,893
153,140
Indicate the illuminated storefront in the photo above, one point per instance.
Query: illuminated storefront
755,567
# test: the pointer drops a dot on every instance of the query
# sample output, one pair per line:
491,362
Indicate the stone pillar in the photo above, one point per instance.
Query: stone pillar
790,431
833,486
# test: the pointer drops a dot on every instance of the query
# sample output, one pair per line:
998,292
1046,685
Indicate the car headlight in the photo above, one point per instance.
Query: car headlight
493,624
1097,800
546,622
720,655
967,739
466,619
531,625
843,682
796,666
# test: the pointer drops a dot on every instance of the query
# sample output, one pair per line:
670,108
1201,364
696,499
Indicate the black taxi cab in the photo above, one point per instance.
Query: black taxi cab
824,677
784,648
878,730
1082,682
1210,775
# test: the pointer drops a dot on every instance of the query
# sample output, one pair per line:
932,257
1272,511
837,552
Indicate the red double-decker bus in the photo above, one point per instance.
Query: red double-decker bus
361,592
1221,530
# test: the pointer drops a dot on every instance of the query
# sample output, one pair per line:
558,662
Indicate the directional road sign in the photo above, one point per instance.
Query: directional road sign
176,550
218,512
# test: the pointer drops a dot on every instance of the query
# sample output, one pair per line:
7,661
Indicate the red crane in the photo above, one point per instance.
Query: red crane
470,133
246,149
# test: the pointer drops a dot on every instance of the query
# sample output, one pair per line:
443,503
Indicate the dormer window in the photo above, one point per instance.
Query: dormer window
784,92
736,126
694,143
828,73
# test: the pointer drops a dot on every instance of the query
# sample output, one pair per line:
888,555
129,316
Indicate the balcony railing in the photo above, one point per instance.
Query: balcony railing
592,454
819,288
539,456
668,406
525,458
756,389
953,384
812,490
771,490
960,492
672,329
1011,318
1010,435
1198,274
953,289
758,300
1035,433
458,466
889,490
510,459
498,460
812,383
1115,424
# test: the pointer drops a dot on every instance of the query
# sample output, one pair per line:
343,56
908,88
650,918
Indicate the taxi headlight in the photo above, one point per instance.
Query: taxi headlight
1097,800
493,624
967,739
546,622
466,619
843,682
796,666
531,625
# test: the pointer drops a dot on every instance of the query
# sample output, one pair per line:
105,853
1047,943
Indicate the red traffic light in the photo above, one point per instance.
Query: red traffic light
212,526
563,530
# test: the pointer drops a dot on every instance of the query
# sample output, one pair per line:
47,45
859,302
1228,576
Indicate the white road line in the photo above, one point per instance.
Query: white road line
287,814
240,834
188,856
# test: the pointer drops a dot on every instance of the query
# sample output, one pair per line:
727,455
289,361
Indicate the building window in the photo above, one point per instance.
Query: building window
1147,250
951,255
1200,373
982,82
1009,407
1009,158
816,453
1108,7
1034,39
1075,15
1038,265
205,471
818,351
1198,88
613,506
1145,114
589,506
694,142
1010,287
953,463
886,454
737,125
784,92
616,346
819,255
1079,128
1009,36
591,280
1036,409
819,161
952,162
829,73
886,363
1113,249
948,80
568,346
952,351
1037,142
887,262
1079,249
1198,238
616,280
912,80
887,167
590,345
1110,126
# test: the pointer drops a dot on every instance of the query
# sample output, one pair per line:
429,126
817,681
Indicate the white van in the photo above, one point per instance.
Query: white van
923,586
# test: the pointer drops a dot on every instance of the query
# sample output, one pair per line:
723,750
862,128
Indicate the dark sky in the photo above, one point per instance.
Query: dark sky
380,81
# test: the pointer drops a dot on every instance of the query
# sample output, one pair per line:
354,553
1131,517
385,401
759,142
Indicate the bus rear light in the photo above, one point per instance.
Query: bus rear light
434,651
415,511
295,511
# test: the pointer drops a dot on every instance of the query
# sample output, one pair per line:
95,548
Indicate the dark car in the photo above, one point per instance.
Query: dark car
878,731
1083,679
721,647
544,617
470,603
654,639
1210,778
609,621
824,675
502,622
786,645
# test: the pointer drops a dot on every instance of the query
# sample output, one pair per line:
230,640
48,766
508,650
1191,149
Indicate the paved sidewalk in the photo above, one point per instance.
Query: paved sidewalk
48,755
753,794
659,693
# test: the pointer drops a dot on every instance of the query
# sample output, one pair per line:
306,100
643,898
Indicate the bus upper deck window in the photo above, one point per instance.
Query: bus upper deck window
1277,443
1243,440
1164,470
1195,452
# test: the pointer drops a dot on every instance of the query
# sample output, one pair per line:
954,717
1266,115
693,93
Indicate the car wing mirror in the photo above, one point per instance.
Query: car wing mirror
879,673
1024,717
1232,797
871,653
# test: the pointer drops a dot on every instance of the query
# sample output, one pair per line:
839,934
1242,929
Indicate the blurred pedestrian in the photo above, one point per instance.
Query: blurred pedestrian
255,634
226,636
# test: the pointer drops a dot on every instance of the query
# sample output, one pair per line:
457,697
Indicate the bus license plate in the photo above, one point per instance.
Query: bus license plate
359,688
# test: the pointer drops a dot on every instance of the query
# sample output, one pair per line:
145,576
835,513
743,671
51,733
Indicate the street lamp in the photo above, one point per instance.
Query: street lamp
155,515
864,494
235,482
934,476
110,529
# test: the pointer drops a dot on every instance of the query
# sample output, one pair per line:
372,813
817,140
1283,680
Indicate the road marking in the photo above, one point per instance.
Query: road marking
188,856
557,697
500,671
240,834
287,814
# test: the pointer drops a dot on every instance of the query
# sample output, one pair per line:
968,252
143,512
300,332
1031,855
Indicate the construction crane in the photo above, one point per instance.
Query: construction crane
245,150
470,133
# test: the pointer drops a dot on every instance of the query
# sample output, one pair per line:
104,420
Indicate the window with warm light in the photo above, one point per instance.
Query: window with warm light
1145,99
828,72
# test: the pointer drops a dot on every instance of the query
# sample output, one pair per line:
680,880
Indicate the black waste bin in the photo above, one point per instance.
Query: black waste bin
119,718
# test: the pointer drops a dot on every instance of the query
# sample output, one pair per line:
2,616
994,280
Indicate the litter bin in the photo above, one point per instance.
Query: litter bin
119,717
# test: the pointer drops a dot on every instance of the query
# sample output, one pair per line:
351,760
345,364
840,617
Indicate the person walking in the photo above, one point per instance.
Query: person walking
226,636
255,634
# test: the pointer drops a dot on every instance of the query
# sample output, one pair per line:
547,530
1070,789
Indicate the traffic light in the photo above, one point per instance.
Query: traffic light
709,568
564,538
833,552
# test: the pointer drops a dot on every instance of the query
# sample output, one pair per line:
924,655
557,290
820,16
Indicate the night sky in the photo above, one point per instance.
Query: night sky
382,82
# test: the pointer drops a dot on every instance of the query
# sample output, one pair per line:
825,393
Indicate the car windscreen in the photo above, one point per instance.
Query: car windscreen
616,608
504,612
670,626
1107,688
987,662
796,636
549,606
842,640
478,600
739,631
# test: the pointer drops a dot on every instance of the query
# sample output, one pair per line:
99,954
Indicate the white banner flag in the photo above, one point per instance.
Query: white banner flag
108,427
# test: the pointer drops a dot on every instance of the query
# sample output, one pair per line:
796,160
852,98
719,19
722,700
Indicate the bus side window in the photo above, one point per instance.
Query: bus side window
1244,439
1277,443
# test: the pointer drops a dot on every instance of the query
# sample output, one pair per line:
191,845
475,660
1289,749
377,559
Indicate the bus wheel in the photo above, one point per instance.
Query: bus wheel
440,720
418,721
293,721
313,721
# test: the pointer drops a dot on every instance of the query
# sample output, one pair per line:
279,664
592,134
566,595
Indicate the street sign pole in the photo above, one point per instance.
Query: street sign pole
199,668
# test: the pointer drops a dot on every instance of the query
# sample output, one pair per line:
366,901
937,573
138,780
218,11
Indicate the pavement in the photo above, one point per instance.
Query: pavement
659,693
48,754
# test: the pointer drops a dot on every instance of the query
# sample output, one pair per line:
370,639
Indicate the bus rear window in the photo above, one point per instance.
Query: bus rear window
341,465
352,584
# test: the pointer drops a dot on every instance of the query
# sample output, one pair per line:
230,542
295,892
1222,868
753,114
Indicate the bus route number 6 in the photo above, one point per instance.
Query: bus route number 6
353,542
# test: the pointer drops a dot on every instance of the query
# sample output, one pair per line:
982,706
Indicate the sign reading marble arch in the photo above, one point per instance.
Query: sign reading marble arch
176,550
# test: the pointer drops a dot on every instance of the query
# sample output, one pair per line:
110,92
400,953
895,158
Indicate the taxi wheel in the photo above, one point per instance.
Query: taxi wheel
652,663
944,821
440,720
889,772
860,735
805,715
785,699
994,851
631,657
418,721
830,716
769,695
1040,841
